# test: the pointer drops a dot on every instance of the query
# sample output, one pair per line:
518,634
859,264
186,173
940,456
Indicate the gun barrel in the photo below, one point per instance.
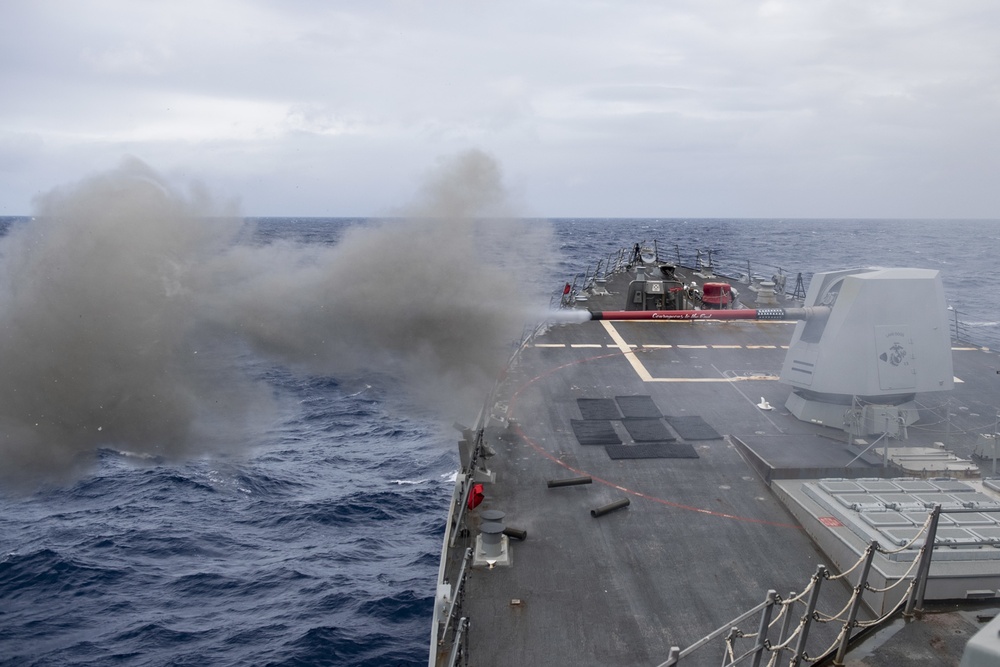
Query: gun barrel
772,314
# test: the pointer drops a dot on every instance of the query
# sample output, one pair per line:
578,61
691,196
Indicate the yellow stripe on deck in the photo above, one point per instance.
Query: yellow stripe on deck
627,350
646,376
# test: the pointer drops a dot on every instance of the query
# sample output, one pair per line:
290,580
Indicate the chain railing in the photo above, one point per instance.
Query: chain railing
701,259
791,643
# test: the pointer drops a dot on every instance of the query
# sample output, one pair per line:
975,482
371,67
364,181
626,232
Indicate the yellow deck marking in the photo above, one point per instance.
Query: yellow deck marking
726,347
645,375
629,354
761,347
692,347
550,344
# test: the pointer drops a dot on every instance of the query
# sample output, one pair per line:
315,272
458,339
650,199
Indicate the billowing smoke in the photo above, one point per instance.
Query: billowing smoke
128,309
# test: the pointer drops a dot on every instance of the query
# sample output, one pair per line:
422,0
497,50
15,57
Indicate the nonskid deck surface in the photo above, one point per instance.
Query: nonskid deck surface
703,538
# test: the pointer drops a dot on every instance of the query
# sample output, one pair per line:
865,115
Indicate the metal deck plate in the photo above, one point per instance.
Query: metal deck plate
885,519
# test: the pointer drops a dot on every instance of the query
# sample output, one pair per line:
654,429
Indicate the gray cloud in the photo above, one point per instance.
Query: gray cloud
260,97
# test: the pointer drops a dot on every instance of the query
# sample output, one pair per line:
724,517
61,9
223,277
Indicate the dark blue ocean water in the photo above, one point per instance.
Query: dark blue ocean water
321,546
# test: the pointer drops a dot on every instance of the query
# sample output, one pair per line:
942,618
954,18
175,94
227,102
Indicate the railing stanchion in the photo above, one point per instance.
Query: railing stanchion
800,645
765,622
924,571
859,593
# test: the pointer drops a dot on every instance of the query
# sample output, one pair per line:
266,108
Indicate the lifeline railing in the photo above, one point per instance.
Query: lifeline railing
449,596
794,643
700,259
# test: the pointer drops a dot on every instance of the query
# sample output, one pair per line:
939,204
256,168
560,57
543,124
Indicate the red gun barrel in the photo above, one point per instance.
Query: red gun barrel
744,314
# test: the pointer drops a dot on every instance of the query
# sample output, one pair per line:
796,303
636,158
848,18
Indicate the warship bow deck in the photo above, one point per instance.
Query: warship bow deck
686,421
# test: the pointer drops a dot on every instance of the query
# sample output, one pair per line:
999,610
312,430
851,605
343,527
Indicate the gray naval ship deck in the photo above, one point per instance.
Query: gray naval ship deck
705,493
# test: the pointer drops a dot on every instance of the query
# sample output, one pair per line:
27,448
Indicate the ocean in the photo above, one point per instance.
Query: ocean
319,543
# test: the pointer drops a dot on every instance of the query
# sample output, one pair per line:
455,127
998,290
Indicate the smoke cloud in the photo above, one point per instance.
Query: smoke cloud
129,309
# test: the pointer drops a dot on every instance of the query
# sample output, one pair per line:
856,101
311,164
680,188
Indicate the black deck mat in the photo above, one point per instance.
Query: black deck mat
673,450
693,428
598,408
638,406
647,430
595,432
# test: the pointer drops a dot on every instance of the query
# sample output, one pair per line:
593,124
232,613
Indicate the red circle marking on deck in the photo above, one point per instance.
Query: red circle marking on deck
639,494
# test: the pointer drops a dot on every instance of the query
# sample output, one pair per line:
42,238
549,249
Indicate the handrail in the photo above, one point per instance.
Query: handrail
910,604
456,647
460,500
718,632
740,270
456,595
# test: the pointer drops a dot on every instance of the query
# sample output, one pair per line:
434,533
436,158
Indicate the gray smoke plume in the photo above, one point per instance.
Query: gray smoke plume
126,305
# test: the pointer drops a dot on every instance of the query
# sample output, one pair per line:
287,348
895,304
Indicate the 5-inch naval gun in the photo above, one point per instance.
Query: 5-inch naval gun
867,341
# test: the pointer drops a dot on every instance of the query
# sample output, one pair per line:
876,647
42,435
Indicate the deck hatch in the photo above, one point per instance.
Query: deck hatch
885,519
915,486
967,520
860,502
839,486
951,485
900,501
878,486
901,536
987,533
946,501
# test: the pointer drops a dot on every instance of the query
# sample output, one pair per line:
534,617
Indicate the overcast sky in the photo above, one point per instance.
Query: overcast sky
691,108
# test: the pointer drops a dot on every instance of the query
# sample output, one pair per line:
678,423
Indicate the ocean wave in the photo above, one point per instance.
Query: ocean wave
339,646
47,572
359,508
155,635
398,607
320,546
